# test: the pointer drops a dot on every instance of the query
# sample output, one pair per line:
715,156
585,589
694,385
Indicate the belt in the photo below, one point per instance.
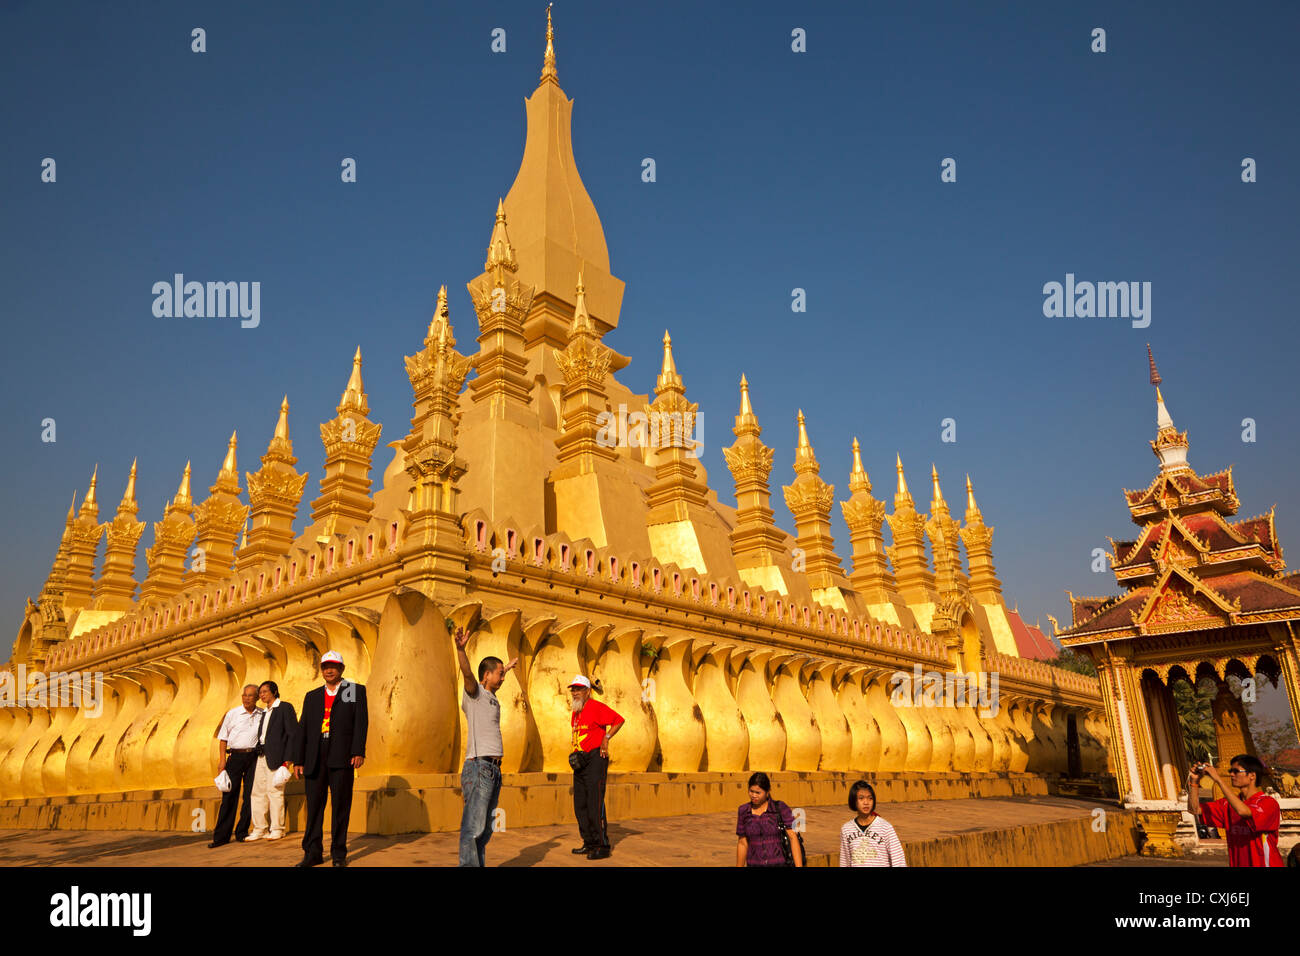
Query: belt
241,750
495,760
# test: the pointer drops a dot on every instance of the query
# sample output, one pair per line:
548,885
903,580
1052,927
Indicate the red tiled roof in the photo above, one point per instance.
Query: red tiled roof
1048,649
1119,614
1082,608
1187,483
1027,644
1256,593
1257,529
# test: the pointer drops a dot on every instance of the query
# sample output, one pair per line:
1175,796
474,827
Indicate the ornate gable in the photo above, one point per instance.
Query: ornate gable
1179,603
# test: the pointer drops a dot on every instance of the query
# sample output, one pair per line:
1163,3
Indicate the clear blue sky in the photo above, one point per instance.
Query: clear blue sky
776,170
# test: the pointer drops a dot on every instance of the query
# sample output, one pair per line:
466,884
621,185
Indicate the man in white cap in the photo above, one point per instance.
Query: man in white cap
593,725
328,748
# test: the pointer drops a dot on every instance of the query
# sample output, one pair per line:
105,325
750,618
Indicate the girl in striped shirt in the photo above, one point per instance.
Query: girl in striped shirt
867,840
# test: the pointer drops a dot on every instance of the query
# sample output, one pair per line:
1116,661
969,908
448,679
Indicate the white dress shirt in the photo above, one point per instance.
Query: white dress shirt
267,722
239,729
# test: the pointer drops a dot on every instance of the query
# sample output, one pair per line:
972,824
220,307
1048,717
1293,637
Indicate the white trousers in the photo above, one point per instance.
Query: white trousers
267,797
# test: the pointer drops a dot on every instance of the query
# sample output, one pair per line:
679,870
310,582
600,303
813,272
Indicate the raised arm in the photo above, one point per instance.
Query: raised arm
461,637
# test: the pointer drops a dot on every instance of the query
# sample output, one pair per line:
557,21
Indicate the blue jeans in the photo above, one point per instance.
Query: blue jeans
480,785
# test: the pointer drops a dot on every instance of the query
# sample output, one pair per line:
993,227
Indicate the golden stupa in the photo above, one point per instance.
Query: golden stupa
727,643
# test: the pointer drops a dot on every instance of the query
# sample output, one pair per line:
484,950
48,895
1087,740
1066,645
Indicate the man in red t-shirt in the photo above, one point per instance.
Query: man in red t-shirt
593,725
1248,818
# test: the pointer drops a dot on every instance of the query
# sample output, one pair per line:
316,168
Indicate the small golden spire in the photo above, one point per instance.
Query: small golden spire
804,458
440,324
804,444
229,467
746,421
548,59
937,503
902,480
129,496
581,318
183,492
970,497
858,478
72,508
282,425
668,376
354,396
90,493
500,252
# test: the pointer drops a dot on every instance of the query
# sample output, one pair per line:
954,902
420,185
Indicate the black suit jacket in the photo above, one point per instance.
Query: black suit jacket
279,734
349,720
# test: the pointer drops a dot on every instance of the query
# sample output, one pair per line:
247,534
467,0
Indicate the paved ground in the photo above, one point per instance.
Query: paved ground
1216,858
695,840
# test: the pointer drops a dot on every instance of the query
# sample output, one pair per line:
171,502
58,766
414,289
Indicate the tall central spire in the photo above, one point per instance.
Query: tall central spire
548,59
554,227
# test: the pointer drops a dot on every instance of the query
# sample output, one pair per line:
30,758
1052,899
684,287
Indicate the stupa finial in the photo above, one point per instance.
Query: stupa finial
548,59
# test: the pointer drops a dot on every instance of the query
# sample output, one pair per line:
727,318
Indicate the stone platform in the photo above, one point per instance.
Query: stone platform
997,831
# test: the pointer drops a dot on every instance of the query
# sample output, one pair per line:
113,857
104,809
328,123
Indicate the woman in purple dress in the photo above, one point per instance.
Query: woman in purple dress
759,837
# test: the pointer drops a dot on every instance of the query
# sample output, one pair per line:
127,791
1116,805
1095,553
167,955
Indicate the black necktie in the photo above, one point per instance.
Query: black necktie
261,718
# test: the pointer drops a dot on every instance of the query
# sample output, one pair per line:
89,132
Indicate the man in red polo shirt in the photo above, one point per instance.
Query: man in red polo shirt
1249,818
593,725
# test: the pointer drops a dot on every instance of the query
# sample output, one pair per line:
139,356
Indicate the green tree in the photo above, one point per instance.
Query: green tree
1195,718
1073,661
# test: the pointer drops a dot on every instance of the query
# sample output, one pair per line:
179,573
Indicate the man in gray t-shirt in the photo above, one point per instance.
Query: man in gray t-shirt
480,778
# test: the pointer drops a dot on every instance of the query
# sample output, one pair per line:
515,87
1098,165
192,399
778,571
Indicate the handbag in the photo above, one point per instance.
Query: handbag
577,760
785,838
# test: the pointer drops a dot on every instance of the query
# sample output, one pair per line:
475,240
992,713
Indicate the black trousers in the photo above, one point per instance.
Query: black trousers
589,799
337,783
240,768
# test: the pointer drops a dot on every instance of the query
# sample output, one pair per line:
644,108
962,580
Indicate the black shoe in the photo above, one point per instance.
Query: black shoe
599,853
340,862
214,844
240,839
308,861
582,850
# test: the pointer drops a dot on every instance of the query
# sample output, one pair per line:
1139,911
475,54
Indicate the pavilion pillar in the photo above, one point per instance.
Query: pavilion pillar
1166,735
1230,728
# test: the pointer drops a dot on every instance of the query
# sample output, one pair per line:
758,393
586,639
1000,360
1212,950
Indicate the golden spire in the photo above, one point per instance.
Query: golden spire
804,459
282,424
581,317
354,396
746,421
858,478
440,324
971,506
72,508
229,467
668,377
280,448
937,503
500,251
548,59
902,482
89,502
128,498
183,492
